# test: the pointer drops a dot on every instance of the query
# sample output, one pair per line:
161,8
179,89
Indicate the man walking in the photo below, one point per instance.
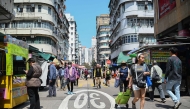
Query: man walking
156,83
174,76
52,78
98,75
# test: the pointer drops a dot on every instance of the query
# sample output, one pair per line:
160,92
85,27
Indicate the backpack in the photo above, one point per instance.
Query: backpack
155,76
37,71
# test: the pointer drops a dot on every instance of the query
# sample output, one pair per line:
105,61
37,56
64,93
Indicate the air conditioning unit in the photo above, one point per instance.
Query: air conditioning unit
32,36
32,5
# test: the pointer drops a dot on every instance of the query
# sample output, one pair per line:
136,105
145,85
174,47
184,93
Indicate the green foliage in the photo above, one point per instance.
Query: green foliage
93,63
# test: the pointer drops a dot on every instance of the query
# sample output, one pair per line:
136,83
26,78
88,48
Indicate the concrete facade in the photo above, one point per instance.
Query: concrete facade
6,10
42,24
174,23
73,37
102,36
94,48
132,25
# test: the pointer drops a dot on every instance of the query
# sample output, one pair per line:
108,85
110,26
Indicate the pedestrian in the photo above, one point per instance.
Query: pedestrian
107,76
138,74
86,74
52,78
93,76
33,83
156,83
78,76
123,72
61,73
71,76
98,75
173,76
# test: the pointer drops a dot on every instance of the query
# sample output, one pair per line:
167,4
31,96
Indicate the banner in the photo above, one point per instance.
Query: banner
165,6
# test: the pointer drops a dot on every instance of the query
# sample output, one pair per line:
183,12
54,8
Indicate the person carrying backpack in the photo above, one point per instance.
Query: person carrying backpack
61,73
156,76
33,83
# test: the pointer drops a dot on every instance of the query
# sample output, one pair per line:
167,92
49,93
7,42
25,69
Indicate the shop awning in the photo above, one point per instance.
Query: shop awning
45,56
132,51
34,49
122,57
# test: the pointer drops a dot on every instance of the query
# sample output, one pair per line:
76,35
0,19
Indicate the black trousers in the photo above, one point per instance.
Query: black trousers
94,79
70,84
52,88
33,97
125,83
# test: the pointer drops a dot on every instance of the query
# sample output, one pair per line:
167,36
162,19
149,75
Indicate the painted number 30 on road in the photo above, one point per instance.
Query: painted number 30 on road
92,101
93,97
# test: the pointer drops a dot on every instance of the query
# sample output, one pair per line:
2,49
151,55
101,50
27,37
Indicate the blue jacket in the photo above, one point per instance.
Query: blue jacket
52,74
125,73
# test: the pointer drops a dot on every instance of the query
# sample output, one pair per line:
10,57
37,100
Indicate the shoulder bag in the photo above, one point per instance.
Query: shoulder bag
140,83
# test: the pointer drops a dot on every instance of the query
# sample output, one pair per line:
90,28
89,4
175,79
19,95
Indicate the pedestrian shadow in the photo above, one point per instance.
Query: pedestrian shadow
115,95
164,106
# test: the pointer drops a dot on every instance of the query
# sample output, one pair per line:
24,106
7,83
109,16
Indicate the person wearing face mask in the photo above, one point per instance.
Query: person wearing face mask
71,76
124,76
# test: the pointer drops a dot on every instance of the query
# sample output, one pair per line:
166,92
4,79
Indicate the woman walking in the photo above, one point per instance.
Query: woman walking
124,76
71,76
108,76
138,74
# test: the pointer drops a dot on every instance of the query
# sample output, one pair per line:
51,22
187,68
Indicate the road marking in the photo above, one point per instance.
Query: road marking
76,103
64,104
92,101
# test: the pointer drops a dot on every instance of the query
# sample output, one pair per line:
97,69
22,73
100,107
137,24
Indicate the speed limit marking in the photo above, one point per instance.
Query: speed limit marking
92,99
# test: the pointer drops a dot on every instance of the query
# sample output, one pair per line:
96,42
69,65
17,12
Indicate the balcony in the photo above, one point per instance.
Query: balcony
104,46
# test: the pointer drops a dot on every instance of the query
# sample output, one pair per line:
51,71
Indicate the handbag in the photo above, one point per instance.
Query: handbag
148,81
155,76
140,83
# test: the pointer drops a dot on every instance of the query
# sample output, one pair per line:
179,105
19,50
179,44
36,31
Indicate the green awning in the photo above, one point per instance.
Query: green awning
34,49
133,55
122,57
45,56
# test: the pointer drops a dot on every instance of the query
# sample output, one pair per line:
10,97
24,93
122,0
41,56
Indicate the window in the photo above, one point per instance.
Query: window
71,33
141,5
71,44
28,8
123,7
49,10
19,9
39,8
71,28
71,38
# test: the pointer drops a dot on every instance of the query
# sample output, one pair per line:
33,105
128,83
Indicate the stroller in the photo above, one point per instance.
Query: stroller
123,98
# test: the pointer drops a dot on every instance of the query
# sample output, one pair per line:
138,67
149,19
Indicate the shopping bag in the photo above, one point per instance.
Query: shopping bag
116,85
123,97
148,81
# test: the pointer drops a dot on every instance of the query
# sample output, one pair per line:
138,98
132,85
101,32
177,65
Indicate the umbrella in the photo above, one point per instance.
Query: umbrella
122,58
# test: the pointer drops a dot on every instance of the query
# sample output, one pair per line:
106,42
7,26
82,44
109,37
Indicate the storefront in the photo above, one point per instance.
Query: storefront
160,53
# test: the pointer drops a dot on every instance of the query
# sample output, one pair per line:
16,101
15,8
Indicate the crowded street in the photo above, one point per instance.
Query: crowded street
103,98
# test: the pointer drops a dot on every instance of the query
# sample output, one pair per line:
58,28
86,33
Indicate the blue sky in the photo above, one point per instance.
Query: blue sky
85,12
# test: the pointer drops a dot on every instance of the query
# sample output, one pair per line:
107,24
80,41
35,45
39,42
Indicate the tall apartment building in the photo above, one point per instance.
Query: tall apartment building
94,48
6,10
172,21
132,25
102,35
42,24
73,37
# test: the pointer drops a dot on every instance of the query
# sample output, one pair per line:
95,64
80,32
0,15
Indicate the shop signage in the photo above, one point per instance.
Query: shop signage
165,6
19,91
184,33
160,56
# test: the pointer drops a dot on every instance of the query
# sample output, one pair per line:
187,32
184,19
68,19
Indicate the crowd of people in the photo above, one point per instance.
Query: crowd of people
134,78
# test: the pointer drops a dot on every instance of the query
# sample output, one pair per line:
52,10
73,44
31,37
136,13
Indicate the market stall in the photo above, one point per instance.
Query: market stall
13,55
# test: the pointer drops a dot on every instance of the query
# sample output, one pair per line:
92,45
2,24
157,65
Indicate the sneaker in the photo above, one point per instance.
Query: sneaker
133,105
49,96
54,95
68,93
176,106
163,100
71,93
